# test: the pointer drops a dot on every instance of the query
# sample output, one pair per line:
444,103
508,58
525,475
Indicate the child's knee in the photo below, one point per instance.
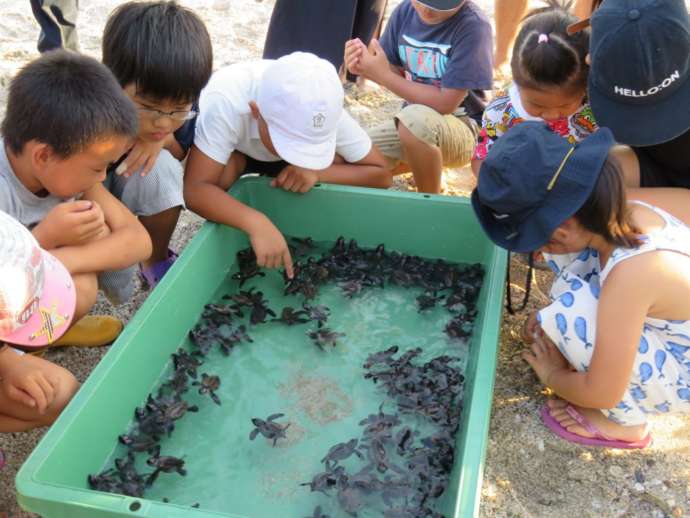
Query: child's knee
66,387
416,126
86,286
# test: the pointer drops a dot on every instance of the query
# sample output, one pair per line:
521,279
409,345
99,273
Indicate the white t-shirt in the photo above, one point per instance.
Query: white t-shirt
225,121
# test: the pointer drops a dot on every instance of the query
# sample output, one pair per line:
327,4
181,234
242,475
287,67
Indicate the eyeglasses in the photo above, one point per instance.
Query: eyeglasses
182,115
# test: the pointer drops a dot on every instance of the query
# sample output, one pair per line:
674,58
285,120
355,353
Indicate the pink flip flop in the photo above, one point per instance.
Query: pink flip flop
2,459
599,438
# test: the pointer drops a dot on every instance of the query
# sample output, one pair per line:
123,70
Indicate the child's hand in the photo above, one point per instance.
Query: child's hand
25,383
296,179
354,49
531,328
142,157
545,358
372,63
270,246
71,223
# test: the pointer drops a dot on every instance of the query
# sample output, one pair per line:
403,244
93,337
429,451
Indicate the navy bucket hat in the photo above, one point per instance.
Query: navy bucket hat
533,180
639,79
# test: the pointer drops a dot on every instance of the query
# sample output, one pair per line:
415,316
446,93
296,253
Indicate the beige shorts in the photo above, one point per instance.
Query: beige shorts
455,136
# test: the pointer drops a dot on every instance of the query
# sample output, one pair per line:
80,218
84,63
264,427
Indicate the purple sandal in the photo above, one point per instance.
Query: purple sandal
153,274
2,459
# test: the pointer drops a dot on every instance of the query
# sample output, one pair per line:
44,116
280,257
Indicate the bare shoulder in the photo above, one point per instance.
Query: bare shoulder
675,201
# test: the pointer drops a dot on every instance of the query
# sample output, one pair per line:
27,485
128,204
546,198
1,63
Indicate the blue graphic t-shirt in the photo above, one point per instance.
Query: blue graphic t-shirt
457,53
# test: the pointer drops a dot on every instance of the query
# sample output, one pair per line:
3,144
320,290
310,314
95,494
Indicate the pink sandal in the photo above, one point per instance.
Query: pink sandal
2,459
152,275
599,438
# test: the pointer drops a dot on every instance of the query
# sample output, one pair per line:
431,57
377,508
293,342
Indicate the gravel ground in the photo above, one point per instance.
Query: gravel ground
528,472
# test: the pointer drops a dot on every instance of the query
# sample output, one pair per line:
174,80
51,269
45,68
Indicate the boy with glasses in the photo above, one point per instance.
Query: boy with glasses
161,54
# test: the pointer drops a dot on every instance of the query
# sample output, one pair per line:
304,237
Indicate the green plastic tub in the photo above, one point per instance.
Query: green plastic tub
52,482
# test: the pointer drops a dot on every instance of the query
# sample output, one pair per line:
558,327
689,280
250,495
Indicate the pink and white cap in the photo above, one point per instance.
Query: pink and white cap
37,295
301,99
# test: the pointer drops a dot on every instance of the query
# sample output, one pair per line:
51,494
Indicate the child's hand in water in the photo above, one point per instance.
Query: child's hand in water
25,383
545,358
270,246
296,179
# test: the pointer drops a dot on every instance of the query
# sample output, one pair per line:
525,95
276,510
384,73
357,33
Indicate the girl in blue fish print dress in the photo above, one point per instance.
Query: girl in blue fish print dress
614,344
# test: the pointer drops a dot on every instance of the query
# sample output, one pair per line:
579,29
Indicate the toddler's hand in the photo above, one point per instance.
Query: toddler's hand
270,246
71,223
25,383
296,179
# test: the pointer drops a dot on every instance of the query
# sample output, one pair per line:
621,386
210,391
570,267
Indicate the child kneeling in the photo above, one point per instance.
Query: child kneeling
614,345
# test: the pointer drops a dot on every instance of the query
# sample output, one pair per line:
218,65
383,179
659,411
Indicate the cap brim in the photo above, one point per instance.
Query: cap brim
536,230
642,125
441,5
308,155
55,309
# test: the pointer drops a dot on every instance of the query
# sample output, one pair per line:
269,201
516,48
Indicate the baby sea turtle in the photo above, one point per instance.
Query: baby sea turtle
381,357
247,272
164,464
318,513
428,300
341,451
260,312
324,336
209,385
138,443
185,362
326,480
318,314
268,428
290,317
236,336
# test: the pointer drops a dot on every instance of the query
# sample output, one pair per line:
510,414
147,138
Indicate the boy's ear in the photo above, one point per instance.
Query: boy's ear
255,110
41,154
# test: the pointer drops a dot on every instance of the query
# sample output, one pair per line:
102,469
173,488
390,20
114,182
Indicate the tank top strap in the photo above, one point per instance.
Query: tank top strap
674,236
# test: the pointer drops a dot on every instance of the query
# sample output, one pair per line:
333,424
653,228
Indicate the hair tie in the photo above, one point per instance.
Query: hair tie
543,38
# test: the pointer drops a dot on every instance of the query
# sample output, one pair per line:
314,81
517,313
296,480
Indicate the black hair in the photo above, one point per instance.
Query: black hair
66,100
558,61
606,210
162,48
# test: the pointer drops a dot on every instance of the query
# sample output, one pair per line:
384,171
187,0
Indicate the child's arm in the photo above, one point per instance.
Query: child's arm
373,64
24,383
624,303
205,191
125,242
370,171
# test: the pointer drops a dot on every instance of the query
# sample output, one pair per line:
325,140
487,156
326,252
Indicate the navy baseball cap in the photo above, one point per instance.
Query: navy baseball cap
533,180
639,80
442,5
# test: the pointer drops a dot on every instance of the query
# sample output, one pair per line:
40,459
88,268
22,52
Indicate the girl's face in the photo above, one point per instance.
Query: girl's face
552,104
569,238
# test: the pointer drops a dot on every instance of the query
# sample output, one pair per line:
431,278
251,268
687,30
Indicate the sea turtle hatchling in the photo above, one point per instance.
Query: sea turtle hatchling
268,428
209,385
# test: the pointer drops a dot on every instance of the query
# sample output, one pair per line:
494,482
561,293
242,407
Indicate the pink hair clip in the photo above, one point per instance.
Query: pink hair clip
543,38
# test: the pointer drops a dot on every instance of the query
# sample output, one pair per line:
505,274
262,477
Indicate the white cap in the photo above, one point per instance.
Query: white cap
301,99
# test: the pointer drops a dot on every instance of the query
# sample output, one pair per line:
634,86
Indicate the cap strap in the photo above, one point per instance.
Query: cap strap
560,169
